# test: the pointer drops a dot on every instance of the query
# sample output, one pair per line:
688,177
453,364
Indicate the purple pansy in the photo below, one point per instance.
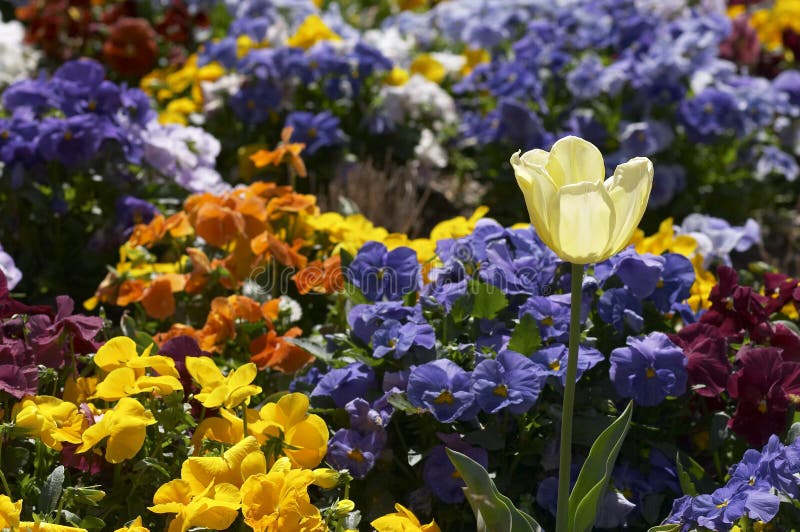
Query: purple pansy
553,360
439,473
401,339
350,449
620,308
383,274
444,389
345,384
315,130
551,314
511,381
649,369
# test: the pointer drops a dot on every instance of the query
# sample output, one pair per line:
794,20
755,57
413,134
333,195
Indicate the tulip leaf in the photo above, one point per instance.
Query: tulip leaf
51,491
488,300
590,487
526,338
688,475
494,511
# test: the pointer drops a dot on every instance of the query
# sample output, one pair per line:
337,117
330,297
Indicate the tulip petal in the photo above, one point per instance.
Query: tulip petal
574,160
629,189
537,188
583,215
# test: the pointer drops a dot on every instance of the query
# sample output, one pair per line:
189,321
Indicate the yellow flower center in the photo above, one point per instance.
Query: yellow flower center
500,390
650,373
444,398
762,406
660,283
68,135
555,365
312,132
92,105
547,321
356,455
5,134
723,504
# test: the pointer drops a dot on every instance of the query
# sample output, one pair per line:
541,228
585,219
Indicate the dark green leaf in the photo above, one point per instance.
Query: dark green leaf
313,348
689,471
399,401
491,440
590,487
355,295
494,511
526,338
91,522
489,300
666,528
51,491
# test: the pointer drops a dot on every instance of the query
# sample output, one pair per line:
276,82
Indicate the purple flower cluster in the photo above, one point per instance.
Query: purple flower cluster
755,489
69,117
33,336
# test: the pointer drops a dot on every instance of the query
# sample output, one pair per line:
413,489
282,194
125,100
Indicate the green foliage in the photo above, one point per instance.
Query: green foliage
584,501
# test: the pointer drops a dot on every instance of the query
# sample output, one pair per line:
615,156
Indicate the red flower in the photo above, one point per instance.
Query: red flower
765,386
706,350
131,47
735,309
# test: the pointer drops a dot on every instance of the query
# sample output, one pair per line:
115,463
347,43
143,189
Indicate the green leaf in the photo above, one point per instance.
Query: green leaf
591,485
355,295
675,527
315,349
526,338
400,402
489,300
51,491
688,475
91,522
494,511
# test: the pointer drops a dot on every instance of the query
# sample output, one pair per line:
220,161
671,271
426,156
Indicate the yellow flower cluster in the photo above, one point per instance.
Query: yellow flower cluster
271,490
123,427
665,240
770,23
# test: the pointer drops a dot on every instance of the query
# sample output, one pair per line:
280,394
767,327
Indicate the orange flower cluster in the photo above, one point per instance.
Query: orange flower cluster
223,241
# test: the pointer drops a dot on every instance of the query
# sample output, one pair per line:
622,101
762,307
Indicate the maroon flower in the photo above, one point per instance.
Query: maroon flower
765,385
708,365
742,45
734,309
131,47
53,338
178,348
10,306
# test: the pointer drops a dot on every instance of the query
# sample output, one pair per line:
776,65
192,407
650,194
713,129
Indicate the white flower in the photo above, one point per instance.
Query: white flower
17,59
429,151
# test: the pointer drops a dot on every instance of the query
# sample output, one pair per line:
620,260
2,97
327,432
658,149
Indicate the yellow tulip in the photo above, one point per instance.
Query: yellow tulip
222,391
9,513
403,520
578,214
125,425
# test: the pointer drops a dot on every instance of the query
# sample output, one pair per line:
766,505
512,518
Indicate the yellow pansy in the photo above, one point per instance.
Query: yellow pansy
279,501
79,390
403,520
41,526
233,467
312,31
474,57
397,76
210,72
228,428
50,419
181,79
222,391
425,65
304,436
459,226
125,426
127,371
326,478
664,240
216,507
135,526
704,281
9,512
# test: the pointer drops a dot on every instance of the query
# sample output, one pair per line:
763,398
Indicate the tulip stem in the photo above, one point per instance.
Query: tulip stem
565,452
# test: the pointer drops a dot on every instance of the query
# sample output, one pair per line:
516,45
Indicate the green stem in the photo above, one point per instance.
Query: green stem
565,460
244,419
